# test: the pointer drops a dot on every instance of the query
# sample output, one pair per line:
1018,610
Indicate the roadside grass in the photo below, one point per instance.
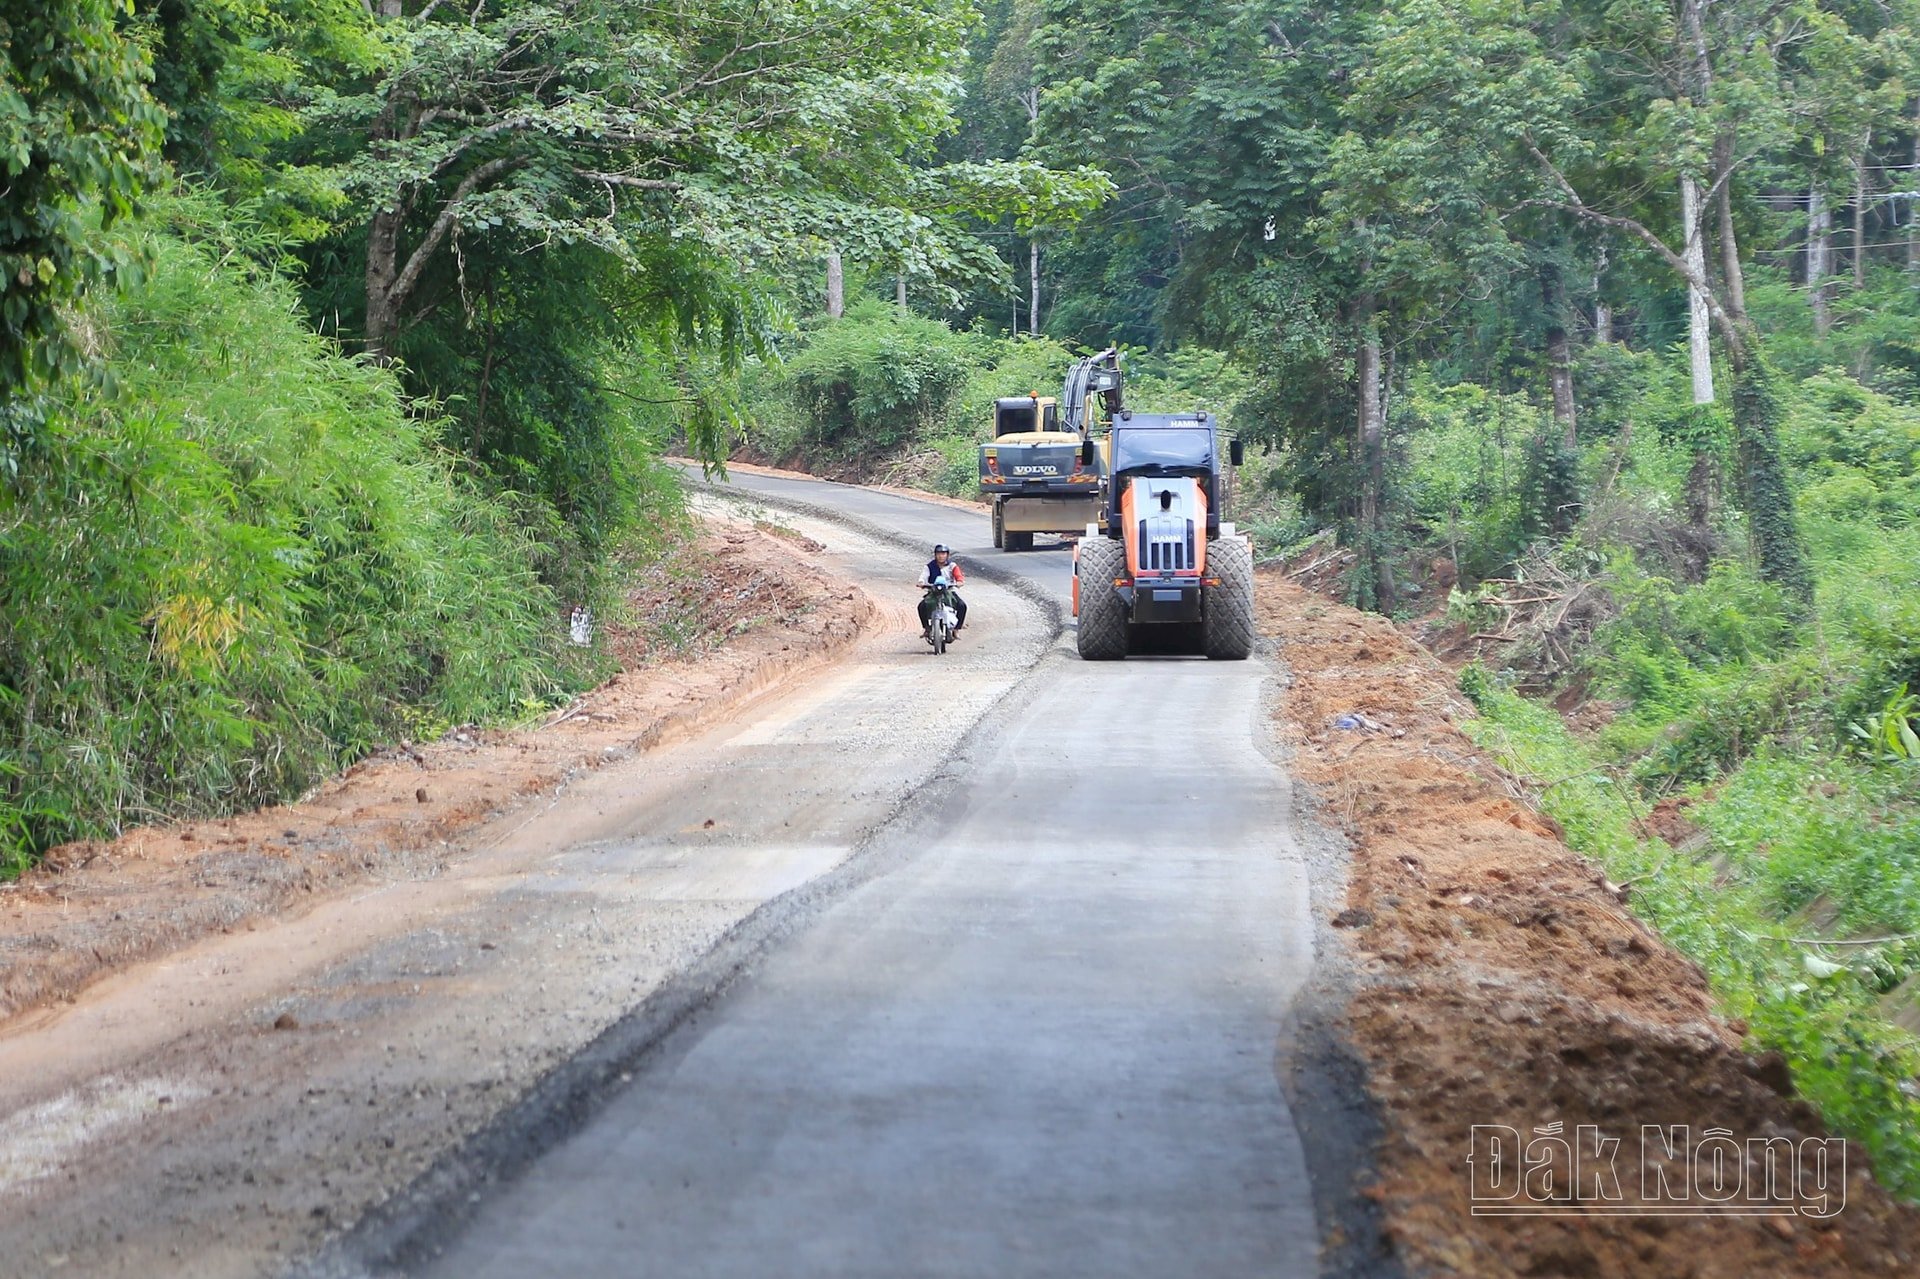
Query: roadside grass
1805,854
243,563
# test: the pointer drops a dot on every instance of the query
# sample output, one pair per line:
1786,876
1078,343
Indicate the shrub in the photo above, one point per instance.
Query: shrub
244,564
877,378
1466,470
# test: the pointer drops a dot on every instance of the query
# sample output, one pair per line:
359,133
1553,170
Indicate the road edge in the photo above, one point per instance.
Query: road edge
408,1228
1320,1068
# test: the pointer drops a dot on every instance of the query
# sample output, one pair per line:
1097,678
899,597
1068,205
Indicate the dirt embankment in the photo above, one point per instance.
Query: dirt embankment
744,610
910,474
1505,985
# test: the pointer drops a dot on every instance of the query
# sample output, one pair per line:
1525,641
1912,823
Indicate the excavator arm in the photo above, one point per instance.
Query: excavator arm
1095,375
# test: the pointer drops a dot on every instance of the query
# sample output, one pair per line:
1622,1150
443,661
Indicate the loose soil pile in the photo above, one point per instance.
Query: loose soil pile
742,610
1507,985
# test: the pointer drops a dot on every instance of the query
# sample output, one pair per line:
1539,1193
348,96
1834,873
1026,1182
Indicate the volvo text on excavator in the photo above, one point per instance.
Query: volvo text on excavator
1036,470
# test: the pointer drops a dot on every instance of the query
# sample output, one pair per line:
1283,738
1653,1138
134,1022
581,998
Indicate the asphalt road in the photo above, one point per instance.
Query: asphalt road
1036,1034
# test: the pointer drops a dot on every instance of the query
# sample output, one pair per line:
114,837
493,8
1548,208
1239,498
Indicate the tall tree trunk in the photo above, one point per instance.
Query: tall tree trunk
1699,82
1602,313
1376,585
1033,291
1699,333
1763,480
836,285
900,289
1730,270
383,234
1559,495
1699,88
1559,354
391,281
1860,217
1030,100
1702,492
1703,476
383,270
478,435
1819,244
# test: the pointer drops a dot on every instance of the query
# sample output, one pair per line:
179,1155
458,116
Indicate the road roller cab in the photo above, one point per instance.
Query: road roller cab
1166,570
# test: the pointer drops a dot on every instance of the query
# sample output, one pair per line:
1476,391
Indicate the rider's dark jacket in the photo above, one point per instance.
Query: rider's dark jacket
955,573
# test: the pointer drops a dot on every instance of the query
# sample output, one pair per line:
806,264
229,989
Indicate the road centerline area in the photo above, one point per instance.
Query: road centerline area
1041,1041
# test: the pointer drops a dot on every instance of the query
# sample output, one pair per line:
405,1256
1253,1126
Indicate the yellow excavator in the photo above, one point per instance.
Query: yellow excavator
1038,470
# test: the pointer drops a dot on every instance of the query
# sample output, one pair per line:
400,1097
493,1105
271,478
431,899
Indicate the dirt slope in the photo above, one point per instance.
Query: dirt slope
1507,986
748,609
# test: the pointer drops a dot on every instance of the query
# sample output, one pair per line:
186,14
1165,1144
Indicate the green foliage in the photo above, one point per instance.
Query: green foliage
1870,610
999,366
567,396
746,134
1844,1060
1888,733
1550,485
1218,131
1707,671
1856,451
1803,826
1187,378
882,380
877,378
243,563
1732,617
1764,493
577,228
77,133
1874,332
1786,831
1466,483
234,77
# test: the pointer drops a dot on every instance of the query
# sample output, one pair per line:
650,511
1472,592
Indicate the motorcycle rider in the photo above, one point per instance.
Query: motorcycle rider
943,567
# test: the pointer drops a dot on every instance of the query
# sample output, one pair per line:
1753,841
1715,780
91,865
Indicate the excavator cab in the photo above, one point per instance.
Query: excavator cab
1024,415
1045,466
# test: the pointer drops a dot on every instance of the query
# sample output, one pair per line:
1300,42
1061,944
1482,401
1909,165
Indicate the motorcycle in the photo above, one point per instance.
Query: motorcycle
943,619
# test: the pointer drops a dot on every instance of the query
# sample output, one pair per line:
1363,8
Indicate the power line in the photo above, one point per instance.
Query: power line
1841,241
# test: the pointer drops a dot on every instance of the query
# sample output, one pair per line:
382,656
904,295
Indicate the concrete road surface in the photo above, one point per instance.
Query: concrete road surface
1032,1031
